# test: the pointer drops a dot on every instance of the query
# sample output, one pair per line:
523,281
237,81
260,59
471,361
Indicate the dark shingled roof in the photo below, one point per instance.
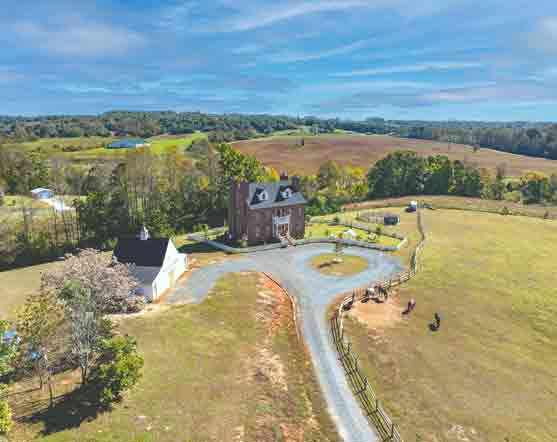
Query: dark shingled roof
148,253
274,190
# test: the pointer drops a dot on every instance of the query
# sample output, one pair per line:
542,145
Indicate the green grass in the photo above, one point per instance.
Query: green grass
16,285
16,201
319,230
228,369
57,145
345,266
158,146
489,373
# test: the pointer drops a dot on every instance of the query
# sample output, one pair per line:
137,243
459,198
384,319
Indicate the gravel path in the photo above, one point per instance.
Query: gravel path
314,293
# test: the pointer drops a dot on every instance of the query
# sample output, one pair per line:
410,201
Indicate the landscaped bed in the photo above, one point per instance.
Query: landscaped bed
344,265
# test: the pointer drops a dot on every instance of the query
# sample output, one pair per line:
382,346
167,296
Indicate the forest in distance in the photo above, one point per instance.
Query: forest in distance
537,139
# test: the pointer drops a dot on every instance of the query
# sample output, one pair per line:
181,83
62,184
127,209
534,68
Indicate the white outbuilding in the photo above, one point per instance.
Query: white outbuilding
350,234
40,193
157,264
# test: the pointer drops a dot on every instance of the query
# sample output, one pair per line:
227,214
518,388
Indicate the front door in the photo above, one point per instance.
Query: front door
282,230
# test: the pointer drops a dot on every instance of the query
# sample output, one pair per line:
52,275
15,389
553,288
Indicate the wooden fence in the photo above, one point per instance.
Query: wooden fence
359,383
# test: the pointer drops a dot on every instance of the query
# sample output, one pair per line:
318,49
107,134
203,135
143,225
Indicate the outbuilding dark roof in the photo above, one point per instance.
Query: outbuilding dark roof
147,253
275,192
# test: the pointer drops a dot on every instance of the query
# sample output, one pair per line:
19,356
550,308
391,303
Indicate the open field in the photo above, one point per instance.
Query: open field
286,153
158,146
229,369
58,145
94,148
458,203
489,373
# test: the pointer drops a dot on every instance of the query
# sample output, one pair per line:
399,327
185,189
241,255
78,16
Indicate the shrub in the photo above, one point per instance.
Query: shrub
505,211
119,369
513,196
378,230
336,219
5,417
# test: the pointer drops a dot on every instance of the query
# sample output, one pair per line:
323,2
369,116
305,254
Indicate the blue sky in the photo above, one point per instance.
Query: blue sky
397,59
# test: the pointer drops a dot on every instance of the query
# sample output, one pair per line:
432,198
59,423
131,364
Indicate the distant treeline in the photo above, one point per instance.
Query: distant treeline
144,124
533,139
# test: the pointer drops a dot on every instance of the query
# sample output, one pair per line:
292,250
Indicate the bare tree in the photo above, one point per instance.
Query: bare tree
87,327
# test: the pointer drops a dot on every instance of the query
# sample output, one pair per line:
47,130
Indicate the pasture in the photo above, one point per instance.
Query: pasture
87,149
489,373
287,153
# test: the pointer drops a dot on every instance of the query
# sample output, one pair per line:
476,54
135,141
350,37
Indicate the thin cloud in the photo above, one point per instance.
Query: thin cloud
10,76
292,57
509,93
419,67
269,16
544,36
78,39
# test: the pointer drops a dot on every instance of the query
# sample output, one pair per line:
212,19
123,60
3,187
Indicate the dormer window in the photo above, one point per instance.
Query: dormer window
287,193
263,196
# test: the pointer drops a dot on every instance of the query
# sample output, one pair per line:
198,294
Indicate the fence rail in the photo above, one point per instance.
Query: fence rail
359,383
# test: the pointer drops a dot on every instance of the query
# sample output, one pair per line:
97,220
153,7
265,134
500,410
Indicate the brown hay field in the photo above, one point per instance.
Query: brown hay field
287,153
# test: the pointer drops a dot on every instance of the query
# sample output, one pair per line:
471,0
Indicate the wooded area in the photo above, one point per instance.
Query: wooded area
533,139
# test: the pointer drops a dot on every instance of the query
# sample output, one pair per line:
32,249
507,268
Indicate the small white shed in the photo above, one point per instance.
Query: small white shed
40,193
157,264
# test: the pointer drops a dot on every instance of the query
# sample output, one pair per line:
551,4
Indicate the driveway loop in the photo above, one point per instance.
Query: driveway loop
314,293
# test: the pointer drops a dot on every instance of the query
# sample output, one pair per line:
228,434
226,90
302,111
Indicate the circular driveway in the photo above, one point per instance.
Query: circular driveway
314,292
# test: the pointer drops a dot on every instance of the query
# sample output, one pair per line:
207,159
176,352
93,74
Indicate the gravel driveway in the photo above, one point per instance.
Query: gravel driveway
314,293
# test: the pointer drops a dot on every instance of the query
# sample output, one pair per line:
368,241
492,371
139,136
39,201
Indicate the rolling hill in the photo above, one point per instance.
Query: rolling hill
288,153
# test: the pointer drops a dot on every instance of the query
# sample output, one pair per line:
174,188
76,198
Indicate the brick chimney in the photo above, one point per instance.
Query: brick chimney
284,176
237,209
295,183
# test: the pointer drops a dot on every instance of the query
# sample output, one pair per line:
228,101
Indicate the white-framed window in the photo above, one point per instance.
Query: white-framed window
287,193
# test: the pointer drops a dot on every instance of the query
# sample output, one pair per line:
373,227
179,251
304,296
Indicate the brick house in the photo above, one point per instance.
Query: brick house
265,212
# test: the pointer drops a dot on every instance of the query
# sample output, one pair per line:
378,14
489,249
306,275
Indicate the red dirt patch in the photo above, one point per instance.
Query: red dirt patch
378,316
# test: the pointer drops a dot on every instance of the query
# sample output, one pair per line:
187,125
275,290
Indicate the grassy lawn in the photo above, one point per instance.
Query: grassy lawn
349,264
230,369
318,230
489,373
16,285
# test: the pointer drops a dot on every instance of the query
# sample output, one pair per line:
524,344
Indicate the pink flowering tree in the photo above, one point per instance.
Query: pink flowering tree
112,285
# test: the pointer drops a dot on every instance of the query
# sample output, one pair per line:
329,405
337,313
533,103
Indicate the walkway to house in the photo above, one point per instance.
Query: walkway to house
314,293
